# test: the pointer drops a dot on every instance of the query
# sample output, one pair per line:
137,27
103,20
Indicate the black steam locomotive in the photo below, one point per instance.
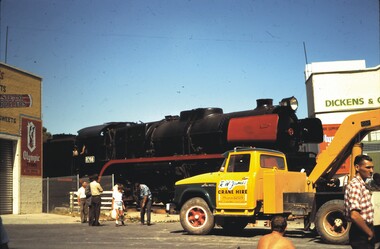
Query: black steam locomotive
162,152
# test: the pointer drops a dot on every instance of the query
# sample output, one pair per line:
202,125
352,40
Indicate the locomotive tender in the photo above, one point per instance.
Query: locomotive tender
160,153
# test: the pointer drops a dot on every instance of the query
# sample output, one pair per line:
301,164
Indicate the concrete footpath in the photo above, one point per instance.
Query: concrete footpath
44,218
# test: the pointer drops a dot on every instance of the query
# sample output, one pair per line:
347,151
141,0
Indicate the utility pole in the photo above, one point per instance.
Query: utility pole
6,45
0,30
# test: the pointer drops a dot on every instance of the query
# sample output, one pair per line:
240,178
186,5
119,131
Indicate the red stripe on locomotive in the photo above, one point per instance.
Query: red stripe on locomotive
257,128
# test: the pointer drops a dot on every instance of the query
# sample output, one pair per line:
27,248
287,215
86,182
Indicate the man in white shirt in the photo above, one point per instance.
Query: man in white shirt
82,202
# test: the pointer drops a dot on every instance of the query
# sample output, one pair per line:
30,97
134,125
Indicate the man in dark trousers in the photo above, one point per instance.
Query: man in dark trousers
358,205
145,197
81,194
96,190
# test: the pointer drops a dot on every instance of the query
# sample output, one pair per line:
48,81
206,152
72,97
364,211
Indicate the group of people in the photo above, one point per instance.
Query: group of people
89,201
144,201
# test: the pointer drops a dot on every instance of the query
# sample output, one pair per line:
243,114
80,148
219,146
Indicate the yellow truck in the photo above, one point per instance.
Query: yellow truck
255,184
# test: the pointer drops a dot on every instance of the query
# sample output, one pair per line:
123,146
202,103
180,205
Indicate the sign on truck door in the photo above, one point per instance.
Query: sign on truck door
235,187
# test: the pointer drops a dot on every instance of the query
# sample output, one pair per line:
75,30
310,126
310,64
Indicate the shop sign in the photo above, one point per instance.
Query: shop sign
352,102
329,131
31,147
15,100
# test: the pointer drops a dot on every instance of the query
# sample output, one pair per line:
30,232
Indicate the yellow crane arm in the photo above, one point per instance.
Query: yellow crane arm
353,129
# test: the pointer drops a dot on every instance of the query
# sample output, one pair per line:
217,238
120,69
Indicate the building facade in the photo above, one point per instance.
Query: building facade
338,89
20,141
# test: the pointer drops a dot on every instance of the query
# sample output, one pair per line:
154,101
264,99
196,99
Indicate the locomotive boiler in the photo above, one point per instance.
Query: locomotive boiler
191,143
204,130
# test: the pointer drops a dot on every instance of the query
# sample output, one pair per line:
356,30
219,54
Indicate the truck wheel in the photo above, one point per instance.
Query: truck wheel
234,225
196,217
331,224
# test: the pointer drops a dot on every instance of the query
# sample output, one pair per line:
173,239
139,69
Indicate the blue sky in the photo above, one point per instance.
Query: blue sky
140,60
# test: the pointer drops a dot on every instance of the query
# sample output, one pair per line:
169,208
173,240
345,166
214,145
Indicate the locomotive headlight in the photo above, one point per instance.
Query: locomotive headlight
292,102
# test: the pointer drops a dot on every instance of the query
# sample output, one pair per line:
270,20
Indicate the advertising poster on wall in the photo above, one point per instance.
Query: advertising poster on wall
31,147
329,131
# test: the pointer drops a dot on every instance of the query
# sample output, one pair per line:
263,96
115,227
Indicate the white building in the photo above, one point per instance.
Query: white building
338,89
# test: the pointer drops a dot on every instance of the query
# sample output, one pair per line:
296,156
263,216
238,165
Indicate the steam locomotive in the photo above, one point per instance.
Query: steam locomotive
162,152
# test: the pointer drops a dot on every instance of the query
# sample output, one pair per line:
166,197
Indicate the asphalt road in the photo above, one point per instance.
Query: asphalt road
134,235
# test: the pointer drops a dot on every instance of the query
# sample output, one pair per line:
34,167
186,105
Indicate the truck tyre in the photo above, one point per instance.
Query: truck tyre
196,217
331,223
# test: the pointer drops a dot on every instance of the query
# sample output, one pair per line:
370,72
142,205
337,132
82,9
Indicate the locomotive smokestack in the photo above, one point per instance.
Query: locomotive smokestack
264,102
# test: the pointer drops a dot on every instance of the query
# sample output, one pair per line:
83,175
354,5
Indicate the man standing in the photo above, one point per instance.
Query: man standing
81,194
96,200
145,197
358,206
276,240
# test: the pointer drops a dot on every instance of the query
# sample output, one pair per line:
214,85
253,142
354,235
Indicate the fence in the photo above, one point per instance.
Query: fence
106,201
58,193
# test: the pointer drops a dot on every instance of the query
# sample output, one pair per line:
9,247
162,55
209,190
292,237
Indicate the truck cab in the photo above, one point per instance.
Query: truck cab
249,185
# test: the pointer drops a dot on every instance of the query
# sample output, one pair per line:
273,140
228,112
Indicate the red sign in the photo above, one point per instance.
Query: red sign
15,100
31,147
329,131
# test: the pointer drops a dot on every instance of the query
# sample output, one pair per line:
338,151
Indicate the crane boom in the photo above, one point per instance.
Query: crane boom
353,129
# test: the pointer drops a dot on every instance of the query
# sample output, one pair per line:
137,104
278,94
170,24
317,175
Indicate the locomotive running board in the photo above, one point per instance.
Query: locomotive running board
158,159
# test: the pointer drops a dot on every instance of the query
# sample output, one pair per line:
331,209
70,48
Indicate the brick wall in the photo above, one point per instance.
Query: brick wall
21,98
30,195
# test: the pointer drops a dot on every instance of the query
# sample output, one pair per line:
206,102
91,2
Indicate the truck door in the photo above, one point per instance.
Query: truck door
275,180
234,188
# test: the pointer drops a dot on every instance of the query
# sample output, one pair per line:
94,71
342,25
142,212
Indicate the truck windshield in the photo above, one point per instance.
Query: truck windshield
267,161
239,163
